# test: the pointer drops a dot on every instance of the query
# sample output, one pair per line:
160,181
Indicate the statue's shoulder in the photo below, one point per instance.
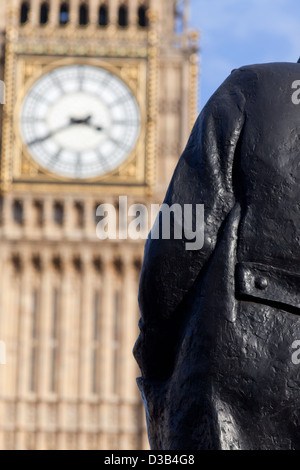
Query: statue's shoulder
250,78
250,82
283,68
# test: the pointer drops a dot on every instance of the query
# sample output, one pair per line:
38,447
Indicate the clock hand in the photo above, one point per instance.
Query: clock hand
86,121
93,126
80,121
72,122
97,128
50,134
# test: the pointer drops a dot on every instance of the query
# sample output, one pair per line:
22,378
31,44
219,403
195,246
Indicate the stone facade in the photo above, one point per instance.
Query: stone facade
68,301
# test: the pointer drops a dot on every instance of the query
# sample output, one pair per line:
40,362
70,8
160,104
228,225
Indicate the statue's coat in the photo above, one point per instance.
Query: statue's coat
217,325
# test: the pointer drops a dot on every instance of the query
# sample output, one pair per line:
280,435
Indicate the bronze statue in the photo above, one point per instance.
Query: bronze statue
218,324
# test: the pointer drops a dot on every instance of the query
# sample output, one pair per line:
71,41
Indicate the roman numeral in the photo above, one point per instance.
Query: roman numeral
102,159
120,144
31,120
78,164
120,100
39,97
125,122
80,77
54,158
57,82
105,81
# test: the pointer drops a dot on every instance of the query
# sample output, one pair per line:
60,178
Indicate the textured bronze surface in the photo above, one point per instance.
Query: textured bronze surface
218,324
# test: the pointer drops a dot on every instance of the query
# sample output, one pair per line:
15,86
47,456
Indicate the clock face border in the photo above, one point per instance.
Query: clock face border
119,140
130,172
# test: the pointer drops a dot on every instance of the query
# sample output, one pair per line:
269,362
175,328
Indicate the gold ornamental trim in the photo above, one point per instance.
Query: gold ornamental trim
33,50
20,169
132,169
83,50
130,54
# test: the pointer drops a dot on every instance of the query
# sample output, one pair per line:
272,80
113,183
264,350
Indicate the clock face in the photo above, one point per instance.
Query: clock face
80,121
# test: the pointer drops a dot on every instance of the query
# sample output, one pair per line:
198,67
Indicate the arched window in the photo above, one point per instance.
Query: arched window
24,12
95,343
142,16
79,214
54,339
58,213
123,16
83,14
116,341
44,13
18,212
64,14
103,15
34,338
39,215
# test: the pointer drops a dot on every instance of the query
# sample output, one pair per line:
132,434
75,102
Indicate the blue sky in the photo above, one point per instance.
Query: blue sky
242,32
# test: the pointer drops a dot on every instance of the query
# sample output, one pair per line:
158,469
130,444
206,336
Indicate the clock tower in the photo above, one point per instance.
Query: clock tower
100,98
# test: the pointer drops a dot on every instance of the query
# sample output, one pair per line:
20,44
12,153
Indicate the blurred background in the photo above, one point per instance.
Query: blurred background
100,99
101,96
242,32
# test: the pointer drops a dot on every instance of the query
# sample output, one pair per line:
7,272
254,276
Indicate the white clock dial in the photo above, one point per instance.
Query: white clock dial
80,121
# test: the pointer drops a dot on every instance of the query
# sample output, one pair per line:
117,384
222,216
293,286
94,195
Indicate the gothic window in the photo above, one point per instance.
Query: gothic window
95,344
38,209
79,213
58,213
64,14
83,15
142,16
18,213
97,218
37,263
34,342
123,16
103,15
137,265
98,264
54,341
78,265
44,13
115,343
24,12
17,263
57,264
